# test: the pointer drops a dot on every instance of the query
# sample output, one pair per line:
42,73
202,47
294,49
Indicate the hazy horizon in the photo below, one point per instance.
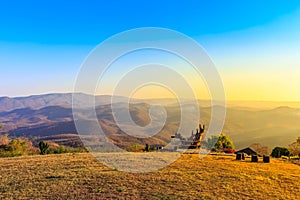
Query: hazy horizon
203,99
252,104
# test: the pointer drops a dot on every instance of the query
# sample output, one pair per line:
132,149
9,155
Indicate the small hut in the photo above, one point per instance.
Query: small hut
249,151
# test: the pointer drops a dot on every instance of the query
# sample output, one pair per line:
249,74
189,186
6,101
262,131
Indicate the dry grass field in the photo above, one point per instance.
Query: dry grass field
81,176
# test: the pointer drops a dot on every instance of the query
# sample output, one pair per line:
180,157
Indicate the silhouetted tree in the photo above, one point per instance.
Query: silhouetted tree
43,147
147,148
277,152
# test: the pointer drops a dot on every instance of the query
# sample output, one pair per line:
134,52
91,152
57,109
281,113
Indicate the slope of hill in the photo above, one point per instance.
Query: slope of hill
80,176
52,121
274,127
51,115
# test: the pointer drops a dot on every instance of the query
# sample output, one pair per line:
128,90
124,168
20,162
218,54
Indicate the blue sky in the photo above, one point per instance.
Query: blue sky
43,43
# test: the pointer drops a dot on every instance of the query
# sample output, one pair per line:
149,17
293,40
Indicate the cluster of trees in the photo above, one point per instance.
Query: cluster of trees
292,150
219,143
53,148
20,147
17,147
224,143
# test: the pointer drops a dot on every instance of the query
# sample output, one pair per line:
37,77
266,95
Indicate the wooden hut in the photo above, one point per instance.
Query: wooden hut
249,151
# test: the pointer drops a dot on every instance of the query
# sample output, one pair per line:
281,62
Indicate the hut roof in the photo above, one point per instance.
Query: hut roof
248,151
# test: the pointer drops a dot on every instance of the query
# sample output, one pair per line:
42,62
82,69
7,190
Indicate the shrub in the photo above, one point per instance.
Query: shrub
17,147
135,148
277,152
61,149
218,142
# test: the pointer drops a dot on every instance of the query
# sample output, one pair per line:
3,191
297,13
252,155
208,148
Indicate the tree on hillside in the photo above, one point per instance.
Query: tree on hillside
277,152
43,147
224,142
17,147
219,142
295,147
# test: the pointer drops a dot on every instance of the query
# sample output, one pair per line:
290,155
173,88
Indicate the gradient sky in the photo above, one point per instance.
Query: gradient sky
255,45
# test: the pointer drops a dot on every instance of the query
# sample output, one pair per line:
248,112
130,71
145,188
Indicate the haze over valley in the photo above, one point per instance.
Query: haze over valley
49,117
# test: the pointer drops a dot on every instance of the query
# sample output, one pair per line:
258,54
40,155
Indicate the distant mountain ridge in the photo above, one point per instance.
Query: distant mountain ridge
45,100
65,99
50,117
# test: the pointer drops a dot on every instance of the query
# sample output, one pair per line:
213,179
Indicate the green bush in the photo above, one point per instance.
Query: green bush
277,152
218,142
17,147
21,147
61,149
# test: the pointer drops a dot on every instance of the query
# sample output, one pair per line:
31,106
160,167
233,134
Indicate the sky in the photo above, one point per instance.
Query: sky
255,45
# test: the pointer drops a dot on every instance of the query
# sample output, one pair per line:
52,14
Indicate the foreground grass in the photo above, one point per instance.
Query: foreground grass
83,177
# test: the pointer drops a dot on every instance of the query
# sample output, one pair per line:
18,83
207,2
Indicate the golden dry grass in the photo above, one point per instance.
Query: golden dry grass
81,176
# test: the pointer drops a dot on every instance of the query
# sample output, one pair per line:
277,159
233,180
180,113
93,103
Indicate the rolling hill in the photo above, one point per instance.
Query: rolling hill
50,117
45,100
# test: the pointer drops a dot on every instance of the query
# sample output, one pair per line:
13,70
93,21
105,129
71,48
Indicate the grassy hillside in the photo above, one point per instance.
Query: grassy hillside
80,176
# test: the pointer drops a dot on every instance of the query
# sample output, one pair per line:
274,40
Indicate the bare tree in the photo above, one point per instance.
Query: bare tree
294,148
4,139
263,150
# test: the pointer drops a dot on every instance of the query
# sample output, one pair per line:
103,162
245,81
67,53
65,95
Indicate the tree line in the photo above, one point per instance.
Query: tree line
22,146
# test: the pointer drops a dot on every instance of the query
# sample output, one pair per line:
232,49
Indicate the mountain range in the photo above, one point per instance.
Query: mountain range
50,117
